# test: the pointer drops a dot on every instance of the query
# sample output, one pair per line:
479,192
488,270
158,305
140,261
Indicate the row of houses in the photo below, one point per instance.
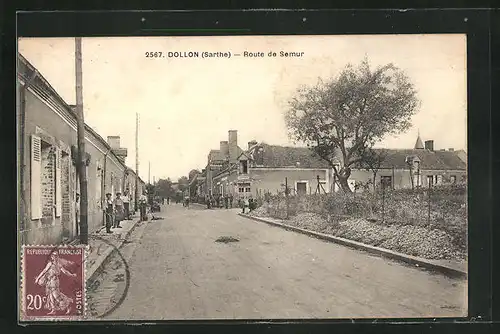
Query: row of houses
262,168
47,151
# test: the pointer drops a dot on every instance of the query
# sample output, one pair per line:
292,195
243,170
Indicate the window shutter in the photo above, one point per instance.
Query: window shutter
98,186
36,177
58,198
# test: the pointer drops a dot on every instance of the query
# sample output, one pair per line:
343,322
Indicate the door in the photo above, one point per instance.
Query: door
301,188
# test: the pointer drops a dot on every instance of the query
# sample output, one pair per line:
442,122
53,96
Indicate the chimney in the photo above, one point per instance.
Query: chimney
114,144
451,149
252,143
429,145
224,149
233,145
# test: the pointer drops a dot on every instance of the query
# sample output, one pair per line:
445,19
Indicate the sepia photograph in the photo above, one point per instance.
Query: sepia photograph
242,177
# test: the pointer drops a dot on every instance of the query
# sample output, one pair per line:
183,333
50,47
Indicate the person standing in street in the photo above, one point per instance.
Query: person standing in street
143,202
226,201
245,204
231,198
109,212
126,204
119,213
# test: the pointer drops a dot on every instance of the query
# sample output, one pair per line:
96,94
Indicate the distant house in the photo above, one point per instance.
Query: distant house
218,160
266,168
419,167
263,168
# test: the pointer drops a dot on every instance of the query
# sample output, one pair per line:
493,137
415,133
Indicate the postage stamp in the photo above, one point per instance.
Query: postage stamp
53,283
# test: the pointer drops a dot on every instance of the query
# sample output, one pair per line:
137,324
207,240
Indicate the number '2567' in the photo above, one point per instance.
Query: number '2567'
156,54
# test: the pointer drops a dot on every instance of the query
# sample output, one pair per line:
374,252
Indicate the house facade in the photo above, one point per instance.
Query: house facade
47,150
422,166
264,168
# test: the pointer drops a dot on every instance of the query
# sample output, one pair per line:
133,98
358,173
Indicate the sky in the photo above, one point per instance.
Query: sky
187,105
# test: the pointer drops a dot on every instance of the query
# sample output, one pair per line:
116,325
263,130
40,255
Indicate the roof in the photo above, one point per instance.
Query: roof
428,159
285,156
26,70
217,155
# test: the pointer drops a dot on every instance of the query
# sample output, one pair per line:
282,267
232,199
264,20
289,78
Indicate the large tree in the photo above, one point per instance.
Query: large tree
342,118
193,173
182,183
165,187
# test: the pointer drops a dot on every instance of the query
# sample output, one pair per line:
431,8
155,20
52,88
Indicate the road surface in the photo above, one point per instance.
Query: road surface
179,271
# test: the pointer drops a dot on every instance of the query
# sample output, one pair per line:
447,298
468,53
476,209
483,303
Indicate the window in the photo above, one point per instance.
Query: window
244,167
244,187
453,179
386,182
439,179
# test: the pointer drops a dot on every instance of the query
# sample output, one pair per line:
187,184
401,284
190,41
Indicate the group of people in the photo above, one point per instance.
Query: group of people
118,209
248,203
219,201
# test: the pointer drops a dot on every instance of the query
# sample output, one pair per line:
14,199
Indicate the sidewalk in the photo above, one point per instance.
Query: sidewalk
448,267
102,244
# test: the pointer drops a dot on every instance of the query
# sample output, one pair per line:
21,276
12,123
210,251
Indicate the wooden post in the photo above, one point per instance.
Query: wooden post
393,181
136,195
286,196
82,168
429,204
383,202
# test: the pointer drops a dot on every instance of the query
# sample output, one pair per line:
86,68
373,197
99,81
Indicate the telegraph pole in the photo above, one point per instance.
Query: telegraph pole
81,165
149,173
136,195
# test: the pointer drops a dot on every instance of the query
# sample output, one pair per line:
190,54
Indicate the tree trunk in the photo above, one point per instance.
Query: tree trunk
343,176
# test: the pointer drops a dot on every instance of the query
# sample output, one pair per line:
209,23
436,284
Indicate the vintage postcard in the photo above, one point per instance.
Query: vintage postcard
242,177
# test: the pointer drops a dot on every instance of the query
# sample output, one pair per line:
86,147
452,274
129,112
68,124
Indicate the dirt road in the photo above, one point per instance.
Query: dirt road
179,271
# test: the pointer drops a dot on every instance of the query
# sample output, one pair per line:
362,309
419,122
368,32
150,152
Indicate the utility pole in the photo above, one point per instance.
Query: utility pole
149,173
136,195
81,165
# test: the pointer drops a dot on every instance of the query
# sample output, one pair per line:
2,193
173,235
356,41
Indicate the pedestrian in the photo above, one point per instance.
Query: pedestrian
226,201
251,204
109,212
245,204
77,212
231,197
162,200
119,213
126,204
143,202
168,200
